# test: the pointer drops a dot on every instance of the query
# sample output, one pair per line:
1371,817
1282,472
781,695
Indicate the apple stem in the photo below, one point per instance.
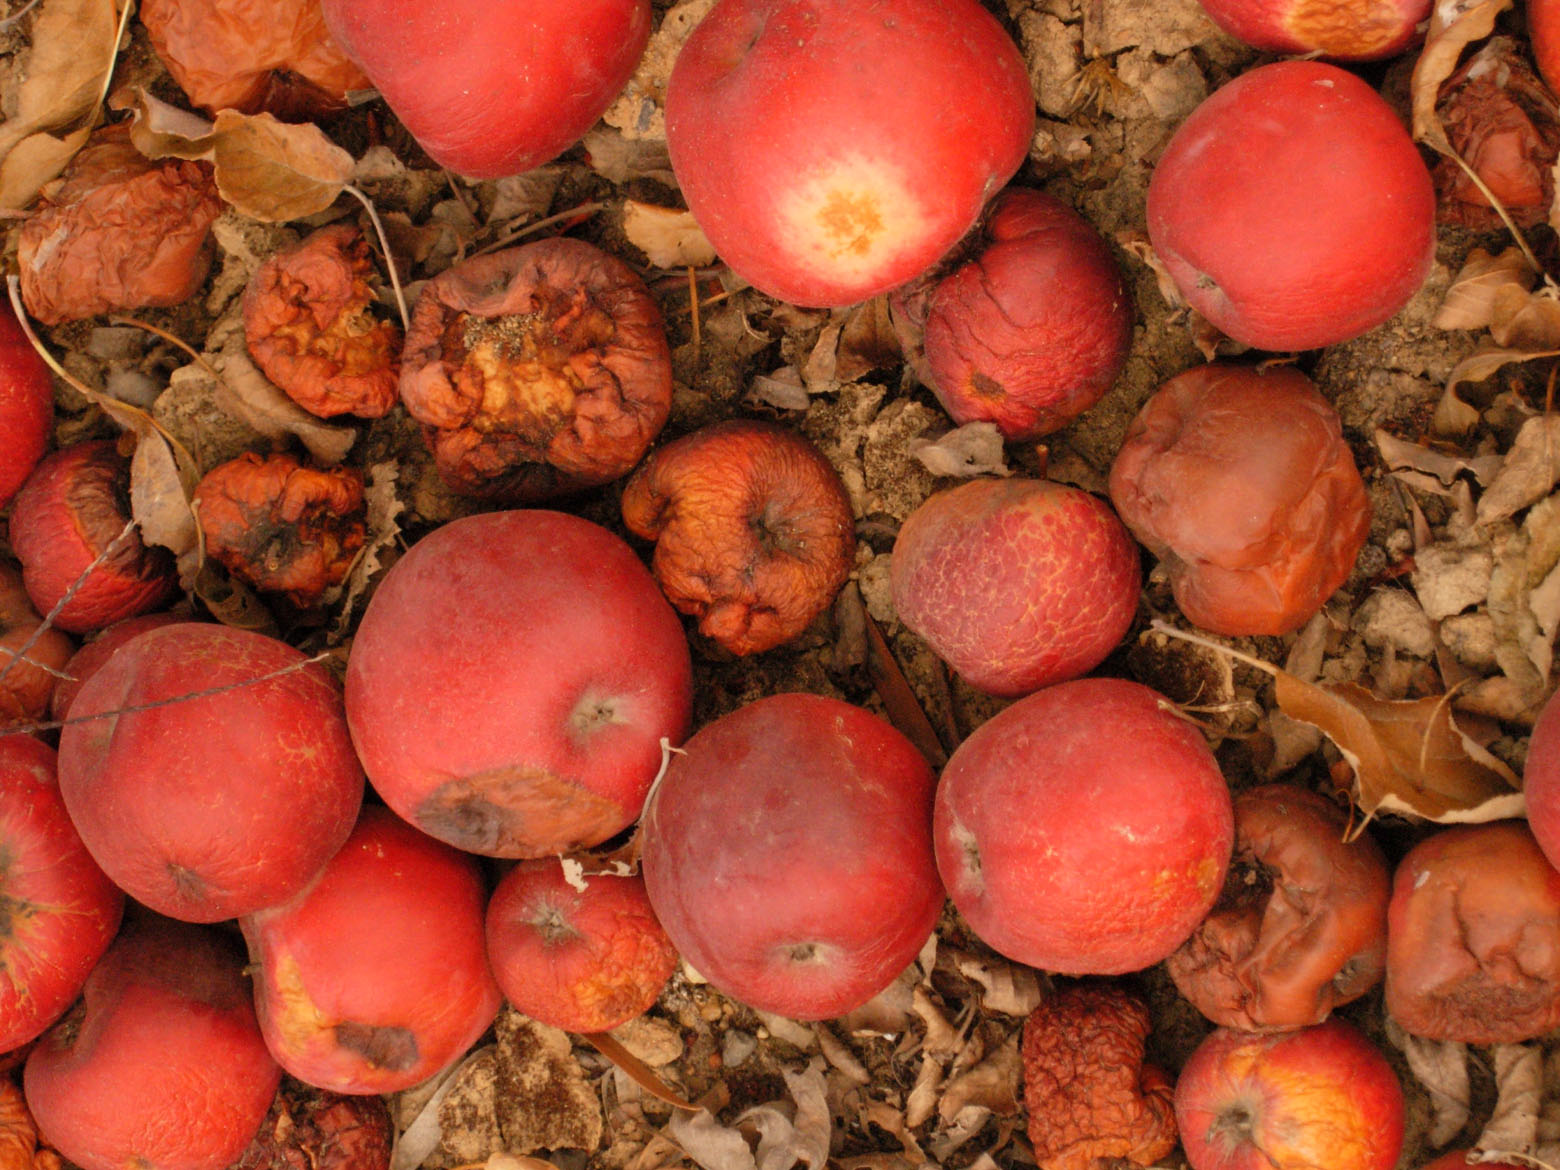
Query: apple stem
1209,644
384,244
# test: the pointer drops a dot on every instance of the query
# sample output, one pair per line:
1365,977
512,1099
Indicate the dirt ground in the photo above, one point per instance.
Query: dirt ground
928,1073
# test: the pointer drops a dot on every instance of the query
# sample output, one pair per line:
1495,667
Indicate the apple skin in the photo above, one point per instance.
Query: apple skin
1016,583
1541,780
1033,330
584,960
26,406
61,912
1458,1160
1543,22
210,807
833,149
1356,30
162,1065
511,682
376,976
1292,209
1084,830
788,854
28,686
86,662
1320,1096
488,89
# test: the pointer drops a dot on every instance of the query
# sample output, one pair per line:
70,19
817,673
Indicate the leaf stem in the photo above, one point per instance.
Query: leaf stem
1209,644
384,243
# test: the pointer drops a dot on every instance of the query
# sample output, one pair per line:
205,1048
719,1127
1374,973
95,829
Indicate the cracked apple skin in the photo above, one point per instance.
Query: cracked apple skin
834,149
1319,1096
161,1065
216,806
488,89
1084,830
376,976
511,682
1292,209
584,960
26,406
1350,30
58,911
1016,583
788,854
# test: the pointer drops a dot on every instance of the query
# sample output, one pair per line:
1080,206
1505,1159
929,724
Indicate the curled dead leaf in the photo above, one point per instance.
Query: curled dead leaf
965,452
1441,1068
1470,301
1519,1084
1401,455
1454,25
1529,473
1525,320
668,237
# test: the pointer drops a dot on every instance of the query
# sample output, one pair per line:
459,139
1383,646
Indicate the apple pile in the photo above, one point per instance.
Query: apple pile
521,705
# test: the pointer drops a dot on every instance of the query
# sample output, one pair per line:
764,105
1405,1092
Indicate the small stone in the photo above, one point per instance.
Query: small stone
1449,579
736,1047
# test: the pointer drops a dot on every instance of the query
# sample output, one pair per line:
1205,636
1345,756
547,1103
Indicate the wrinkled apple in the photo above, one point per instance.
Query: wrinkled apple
788,854
832,149
1343,30
1084,830
375,977
26,406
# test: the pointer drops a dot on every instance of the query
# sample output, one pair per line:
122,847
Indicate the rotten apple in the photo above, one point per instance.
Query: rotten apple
832,149
1351,30
26,405
788,854
1319,1096
58,912
161,1065
512,681
582,953
1016,583
1086,829
376,976
28,683
209,770
1292,209
487,89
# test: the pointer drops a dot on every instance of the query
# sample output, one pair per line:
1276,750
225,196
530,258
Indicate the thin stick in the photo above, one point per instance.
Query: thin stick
384,243
584,210
693,307
113,60
16,16
1209,644
137,708
171,339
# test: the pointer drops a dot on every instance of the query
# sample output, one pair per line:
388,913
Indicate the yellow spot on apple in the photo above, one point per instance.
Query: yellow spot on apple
852,219
848,219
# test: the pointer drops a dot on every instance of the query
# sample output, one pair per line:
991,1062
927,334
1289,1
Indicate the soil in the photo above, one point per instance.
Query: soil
927,1074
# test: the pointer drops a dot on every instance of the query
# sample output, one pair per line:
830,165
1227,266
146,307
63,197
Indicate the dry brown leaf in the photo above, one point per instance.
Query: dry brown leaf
383,523
1401,455
247,393
1134,242
892,1122
638,1071
33,162
1519,1081
1453,417
160,130
942,1038
992,1084
1441,1068
669,238
1529,473
965,452
232,602
74,46
1525,320
839,1055
160,495
921,1102
1454,25
1009,989
867,340
275,171
904,709
1470,301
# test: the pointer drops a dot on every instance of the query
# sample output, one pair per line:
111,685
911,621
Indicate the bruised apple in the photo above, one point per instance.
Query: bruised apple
218,803
1320,1096
1351,30
788,854
1084,830
488,89
1016,583
1292,209
511,683
58,912
375,977
583,953
832,149
161,1065
26,405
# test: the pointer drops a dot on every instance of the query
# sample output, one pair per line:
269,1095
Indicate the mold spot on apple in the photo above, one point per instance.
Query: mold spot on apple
387,1046
517,812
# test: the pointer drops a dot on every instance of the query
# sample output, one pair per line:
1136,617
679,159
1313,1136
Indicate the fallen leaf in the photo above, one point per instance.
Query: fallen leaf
838,1053
1519,1082
1135,243
160,496
1454,25
782,389
423,1132
899,700
921,1103
232,602
1441,1068
669,238
33,162
867,340
1400,455
246,392
991,1085
1470,301
275,171
638,1071
382,522
161,130
1525,320
965,452
1009,989
1529,473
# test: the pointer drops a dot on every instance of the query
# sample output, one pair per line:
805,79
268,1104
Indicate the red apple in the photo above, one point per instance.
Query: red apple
1354,30
1543,21
215,805
1240,481
26,405
584,954
493,89
161,1066
1031,332
376,976
58,912
69,528
1541,780
832,149
86,662
1084,830
1320,1096
1459,1160
511,683
1292,209
1016,583
26,684
788,854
